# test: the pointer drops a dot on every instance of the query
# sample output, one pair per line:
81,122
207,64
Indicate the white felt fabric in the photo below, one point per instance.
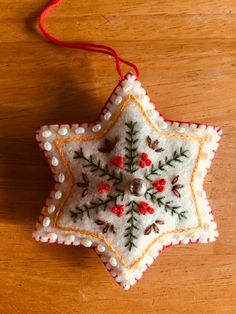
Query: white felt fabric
199,141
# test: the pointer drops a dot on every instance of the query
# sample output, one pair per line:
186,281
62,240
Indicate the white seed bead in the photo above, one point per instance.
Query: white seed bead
58,195
101,248
97,128
53,237
46,221
118,100
113,261
61,177
46,133
163,125
47,146
127,88
55,161
180,130
62,131
86,242
79,130
71,238
51,209
107,116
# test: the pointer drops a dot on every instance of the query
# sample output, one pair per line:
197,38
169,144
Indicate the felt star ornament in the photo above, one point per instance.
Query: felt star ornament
129,184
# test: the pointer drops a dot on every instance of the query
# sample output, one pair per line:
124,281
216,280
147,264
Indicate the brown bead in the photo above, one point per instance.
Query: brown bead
137,187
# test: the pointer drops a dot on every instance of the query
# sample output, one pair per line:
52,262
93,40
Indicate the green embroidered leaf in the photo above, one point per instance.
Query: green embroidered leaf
100,204
176,158
131,147
151,194
130,235
94,166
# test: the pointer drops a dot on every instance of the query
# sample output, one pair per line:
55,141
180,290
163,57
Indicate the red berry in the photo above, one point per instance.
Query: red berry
108,187
101,191
151,210
120,165
143,211
142,164
160,188
143,204
114,210
162,181
148,162
101,185
121,208
155,184
120,159
119,214
113,161
144,156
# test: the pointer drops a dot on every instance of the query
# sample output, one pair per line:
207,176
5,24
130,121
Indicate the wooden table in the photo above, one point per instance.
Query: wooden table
186,52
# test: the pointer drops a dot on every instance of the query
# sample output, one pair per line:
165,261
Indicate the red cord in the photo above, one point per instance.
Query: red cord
82,45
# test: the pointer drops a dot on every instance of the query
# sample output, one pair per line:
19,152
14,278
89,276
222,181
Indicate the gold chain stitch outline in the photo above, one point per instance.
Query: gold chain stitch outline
58,143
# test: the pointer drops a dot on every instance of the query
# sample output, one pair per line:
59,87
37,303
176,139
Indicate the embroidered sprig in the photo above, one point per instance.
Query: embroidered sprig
167,205
106,226
176,186
154,145
100,204
169,162
131,147
153,227
84,184
96,166
172,210
108,145
132,224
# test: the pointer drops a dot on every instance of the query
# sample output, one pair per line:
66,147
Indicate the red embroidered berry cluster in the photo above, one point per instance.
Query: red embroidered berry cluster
145,208
118,210
104,187
118,161
145,160
159,185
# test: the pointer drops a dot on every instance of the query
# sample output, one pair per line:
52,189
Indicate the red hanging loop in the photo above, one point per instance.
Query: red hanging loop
82,45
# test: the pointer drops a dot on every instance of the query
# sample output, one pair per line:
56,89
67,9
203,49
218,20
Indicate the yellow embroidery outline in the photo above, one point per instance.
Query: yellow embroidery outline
100,135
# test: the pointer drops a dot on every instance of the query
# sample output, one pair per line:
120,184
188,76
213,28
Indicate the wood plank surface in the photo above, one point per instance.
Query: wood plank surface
186,53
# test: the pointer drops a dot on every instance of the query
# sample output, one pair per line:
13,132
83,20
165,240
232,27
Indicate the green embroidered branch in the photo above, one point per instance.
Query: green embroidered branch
100,204
154,171
95,166
132,221
152,195
131,148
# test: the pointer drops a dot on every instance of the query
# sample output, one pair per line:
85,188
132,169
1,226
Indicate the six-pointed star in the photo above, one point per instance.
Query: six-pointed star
129,184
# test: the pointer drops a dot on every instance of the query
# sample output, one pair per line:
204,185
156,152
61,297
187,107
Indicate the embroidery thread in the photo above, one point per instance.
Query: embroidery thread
169,162
84,184
132,225
97,167
176,187
153,227
106,226
131,147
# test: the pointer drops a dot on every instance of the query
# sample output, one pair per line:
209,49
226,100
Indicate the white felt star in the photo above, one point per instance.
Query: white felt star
128,185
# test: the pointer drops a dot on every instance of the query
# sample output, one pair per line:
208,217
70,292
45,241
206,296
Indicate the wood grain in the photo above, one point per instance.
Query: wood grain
186,52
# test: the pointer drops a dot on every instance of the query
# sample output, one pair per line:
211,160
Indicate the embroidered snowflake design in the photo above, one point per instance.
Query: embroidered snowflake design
148,187
129,185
